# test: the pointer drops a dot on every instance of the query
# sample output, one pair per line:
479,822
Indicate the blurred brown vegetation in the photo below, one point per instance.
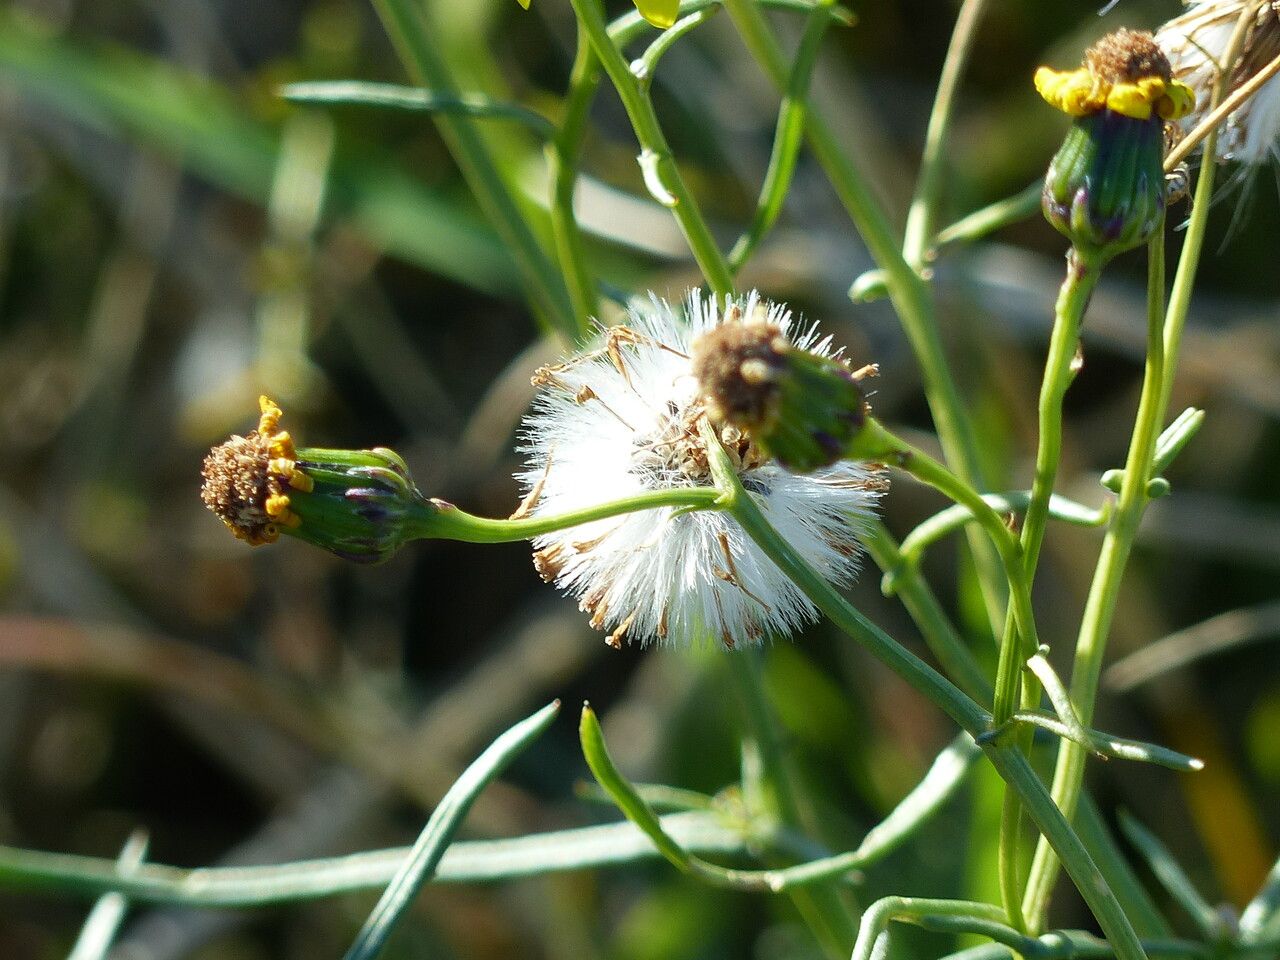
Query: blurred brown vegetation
174,239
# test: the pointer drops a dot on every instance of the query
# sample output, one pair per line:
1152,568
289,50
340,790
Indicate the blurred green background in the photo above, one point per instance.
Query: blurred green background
175,239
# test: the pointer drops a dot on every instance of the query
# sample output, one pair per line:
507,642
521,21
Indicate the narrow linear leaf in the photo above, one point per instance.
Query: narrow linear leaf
1106,745
1262,915
623,794
1172,877
437,834
337,93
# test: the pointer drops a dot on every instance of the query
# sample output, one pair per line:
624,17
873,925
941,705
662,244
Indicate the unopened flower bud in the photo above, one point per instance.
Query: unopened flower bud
356,503
1105,190
802,408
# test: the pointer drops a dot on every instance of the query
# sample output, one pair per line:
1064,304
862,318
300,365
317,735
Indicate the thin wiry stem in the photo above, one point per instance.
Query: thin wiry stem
563,153
1010,764
924,204
662,175
1164,343
909,293
1100,606
787,138
405,23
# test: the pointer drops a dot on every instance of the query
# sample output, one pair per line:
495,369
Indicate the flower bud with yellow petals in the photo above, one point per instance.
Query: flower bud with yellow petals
358,504
1105,190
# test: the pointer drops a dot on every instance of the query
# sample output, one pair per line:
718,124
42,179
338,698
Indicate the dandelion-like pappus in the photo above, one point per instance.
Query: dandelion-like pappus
1196,43
624,419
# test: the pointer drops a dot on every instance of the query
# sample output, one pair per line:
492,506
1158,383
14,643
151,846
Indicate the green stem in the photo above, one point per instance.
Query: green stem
467,861
1059,372
437,520
822,907
914,910
874,442
903,579
787,138
1104,591
924,205
1010,764
909,293
944,522
406,24
981,223
562,154
646,65
662,175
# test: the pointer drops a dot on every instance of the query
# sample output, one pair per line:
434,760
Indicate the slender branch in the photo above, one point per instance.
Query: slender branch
989,219
563,153
662,175
947,521
471,861
334,93
787,138
1103,593
1011,765
406,24
924,204
443,521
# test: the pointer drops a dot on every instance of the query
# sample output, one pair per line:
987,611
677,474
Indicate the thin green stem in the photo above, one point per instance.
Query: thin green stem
405,22
470,861
1011,765
981,223
438,520
661,173
924,204
874,442
902,578
909,293
880,914
563,153
1104,591
1059,372
787,138
947,521
393,96
645,65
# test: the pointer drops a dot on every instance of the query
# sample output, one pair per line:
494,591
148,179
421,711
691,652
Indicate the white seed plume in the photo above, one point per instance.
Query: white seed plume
1196,43
624,420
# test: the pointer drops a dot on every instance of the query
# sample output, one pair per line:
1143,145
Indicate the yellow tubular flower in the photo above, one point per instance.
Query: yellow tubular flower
355,503
1125,73
1105,189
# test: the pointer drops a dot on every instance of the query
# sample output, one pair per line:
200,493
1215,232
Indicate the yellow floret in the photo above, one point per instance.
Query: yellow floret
1078,93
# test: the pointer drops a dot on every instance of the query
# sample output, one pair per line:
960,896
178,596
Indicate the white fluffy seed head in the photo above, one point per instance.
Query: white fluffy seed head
1196,43
622,420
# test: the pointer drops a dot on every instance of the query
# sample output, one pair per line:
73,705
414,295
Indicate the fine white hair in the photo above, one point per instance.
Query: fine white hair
609,426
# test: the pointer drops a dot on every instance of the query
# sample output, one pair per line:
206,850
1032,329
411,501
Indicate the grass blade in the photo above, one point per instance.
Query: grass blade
1172,877
438,833
339,93
199,124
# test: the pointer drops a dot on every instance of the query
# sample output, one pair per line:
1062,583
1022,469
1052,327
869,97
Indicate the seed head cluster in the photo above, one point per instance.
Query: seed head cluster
1196,44
624,419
